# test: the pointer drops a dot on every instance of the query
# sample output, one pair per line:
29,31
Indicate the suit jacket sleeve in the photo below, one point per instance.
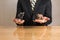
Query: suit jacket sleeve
48,12
19,8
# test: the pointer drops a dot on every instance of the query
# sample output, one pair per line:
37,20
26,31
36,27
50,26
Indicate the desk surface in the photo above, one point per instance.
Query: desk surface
30,33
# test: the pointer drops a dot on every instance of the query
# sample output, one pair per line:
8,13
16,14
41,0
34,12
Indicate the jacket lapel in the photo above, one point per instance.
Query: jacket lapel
38,4
26,4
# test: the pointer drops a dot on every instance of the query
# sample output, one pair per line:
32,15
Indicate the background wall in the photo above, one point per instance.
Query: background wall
8,11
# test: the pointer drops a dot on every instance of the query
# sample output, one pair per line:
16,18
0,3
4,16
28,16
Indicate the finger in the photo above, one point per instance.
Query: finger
38,21
15,20
40,16
46,18
44,21
21,22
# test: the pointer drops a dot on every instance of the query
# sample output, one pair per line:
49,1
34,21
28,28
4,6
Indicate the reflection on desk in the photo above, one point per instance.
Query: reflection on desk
30,33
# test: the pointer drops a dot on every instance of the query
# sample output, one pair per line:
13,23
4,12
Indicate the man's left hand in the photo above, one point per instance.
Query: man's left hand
43,20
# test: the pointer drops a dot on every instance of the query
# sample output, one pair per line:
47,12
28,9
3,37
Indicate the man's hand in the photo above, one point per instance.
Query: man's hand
41,19
39,16
18,21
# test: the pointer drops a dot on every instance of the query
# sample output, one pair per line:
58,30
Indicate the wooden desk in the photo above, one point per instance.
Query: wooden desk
30,33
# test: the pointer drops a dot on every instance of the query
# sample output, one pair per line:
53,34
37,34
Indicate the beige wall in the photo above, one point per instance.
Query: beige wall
8,11
56,12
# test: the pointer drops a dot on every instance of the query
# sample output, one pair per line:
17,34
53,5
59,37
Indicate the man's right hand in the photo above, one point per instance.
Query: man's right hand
18,21
41,19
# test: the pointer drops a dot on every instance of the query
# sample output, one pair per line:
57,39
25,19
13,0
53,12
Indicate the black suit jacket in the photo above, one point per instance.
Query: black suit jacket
42,6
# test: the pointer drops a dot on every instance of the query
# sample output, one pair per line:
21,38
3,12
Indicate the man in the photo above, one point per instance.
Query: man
34,14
